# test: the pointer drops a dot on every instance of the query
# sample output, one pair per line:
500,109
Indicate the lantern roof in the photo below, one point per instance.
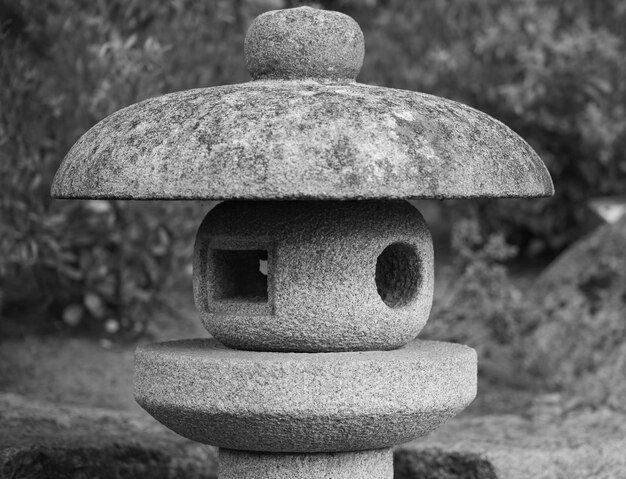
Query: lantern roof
303,128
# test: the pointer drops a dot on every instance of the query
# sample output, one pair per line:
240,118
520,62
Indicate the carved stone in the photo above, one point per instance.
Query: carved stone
314,305
339,276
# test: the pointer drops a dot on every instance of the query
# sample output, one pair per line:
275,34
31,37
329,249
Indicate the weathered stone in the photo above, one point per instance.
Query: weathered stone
579,343
304,42
302,130
375,464
300,402
300,140
341,276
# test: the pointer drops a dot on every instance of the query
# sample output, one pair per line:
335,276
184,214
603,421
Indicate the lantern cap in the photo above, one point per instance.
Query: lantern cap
303,129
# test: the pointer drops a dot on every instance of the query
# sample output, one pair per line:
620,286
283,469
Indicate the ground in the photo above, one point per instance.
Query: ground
72,369
67,410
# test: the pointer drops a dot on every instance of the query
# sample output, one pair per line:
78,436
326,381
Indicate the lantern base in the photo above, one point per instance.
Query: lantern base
370,464
302,402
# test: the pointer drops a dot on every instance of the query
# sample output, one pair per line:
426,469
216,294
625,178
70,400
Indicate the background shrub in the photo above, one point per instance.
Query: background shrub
552,70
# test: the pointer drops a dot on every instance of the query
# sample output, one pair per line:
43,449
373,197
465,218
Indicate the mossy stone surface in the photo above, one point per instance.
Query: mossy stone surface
300,139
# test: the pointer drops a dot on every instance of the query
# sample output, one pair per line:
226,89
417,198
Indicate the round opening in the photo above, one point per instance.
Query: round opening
398,274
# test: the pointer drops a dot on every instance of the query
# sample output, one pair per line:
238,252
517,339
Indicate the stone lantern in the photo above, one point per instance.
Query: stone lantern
315,276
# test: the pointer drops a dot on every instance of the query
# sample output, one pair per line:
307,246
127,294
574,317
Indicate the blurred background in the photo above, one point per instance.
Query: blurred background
538,287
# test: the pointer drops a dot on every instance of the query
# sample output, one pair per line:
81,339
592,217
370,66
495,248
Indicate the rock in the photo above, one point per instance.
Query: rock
341,276
582,446
580,343
303,402
412,462
39,440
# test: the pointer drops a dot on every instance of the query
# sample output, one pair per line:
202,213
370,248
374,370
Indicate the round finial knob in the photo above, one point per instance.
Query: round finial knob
302,43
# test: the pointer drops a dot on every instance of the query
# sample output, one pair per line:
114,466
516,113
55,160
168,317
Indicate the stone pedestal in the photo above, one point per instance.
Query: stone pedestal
374,464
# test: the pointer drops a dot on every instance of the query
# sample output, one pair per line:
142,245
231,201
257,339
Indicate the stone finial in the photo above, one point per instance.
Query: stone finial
303,43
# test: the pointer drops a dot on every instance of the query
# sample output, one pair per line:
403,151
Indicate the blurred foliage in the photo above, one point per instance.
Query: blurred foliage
552,70
579,344
97,264
478,304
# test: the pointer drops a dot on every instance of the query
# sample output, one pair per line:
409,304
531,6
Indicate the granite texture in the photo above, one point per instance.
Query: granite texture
300,140
302,130
341,276
304,42
376,464
303,402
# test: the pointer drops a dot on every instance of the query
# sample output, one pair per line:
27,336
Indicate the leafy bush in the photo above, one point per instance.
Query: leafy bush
97,264
551,70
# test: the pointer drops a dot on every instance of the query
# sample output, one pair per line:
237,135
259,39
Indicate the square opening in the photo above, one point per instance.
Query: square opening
240,275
